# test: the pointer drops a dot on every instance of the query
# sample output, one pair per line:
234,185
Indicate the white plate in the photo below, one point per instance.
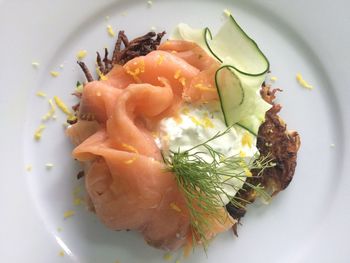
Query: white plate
309,222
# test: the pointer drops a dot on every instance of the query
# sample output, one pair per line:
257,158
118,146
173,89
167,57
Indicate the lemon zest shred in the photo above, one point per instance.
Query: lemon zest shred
207,123
200,86
175,207
38,132
182,80
60,104
303,82
195,120
247,140
247,172
110,31
61,253
186,110
167,256
51,112
242,154
54,73
273,78
100,74
177,74
160,59
81,54
41,94
68,213
137,71
132,149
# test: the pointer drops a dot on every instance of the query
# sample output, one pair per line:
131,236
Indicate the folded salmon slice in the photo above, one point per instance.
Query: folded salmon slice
125,176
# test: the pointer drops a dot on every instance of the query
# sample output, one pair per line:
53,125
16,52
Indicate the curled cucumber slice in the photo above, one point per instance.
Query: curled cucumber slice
242,72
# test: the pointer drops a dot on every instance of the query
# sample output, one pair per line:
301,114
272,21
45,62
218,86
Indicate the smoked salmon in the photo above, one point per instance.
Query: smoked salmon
125,177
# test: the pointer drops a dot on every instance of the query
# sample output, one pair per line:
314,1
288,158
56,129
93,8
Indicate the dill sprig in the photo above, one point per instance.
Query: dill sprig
204,183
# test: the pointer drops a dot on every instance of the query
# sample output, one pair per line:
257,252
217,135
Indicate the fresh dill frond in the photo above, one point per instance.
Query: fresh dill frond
204,183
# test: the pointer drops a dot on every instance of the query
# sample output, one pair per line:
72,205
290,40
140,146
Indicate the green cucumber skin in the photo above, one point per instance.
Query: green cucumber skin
207,31
221,97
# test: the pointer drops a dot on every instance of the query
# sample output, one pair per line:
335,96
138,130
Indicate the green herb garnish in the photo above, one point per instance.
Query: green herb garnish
203,183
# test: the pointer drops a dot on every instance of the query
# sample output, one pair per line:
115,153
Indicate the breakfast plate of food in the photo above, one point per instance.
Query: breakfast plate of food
145,131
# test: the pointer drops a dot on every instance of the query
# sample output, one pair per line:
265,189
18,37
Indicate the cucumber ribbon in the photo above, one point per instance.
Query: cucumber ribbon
241,73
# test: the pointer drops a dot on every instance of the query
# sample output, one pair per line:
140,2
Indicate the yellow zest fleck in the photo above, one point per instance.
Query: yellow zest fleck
195,120
54,73
38,132
110,31
207,123
29,168
131,149
175,207
77,201
200,86
303,82
140,64
160,59
61,253
68,213
273,79
167,256
130,161
41,94
177,74
140,68
185,110
35,64
50,113
59,229
71,118
60,104
81,54
149,3
182,80
242,154
247,172
247,140
227,12
49,165
100,74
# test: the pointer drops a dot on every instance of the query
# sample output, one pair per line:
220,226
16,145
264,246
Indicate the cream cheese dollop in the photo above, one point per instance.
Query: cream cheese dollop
196,124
